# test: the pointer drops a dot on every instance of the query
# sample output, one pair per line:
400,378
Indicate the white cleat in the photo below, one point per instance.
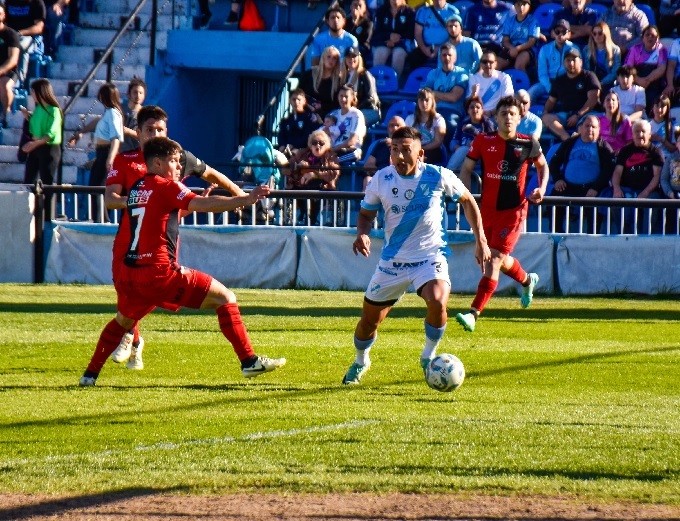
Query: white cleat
262,365
87,381
135,362
124,349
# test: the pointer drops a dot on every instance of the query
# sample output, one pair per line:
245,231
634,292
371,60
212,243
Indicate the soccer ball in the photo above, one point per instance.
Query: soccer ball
445,373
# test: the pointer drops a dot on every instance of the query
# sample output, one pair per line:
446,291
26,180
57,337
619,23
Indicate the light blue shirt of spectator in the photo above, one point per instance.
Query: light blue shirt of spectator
529,123
583,166
433,32
110,126
326,39
468,54
440,80
551,61
520,32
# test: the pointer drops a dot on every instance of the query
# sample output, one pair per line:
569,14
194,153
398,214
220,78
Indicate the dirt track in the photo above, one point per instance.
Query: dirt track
145,506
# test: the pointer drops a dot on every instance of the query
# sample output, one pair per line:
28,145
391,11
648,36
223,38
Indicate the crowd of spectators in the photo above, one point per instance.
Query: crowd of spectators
585,76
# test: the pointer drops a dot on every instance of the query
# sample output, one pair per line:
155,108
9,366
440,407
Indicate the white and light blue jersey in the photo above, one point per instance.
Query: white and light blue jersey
414,210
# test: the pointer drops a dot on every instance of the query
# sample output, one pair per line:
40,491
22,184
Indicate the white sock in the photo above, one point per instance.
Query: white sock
433,336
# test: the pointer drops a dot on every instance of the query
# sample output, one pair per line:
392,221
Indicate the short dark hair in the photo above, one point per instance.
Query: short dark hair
297,92
471,100
160,147
335,9
407,133
150,112
508,101
136,82
626,70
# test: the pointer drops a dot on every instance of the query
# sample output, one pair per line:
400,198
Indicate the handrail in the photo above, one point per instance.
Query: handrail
259,122
109,49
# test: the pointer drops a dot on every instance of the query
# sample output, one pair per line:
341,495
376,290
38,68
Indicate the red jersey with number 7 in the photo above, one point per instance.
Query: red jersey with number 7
153,207
504,169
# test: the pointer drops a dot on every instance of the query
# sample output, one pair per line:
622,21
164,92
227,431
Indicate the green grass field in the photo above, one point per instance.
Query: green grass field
573,396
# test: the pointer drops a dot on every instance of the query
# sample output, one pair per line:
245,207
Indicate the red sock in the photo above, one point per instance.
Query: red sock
135,334
516,272
108,342
485,290
233,329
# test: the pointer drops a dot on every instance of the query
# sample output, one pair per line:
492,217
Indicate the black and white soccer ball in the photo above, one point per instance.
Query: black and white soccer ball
445,373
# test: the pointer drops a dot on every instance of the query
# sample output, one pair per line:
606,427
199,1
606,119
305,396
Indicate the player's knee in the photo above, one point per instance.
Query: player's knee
124,321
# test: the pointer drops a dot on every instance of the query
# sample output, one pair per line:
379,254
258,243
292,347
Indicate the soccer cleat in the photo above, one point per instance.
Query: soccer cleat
262,364
135,362
355,373
87,381
124,349
467,320
424,362
528,291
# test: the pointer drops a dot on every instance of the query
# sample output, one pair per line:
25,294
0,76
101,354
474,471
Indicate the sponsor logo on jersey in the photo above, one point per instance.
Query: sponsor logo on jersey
375,288
395,208
402,265
139,197
386,272
112,173
502,166
395,191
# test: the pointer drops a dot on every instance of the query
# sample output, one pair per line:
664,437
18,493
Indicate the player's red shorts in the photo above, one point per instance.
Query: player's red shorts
141,290
502,229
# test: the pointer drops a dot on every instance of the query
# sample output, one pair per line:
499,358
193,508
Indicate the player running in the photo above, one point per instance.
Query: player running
150,276
506,156
411,193
128,168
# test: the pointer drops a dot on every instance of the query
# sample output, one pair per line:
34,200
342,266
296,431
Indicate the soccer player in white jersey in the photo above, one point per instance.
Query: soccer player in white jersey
411,193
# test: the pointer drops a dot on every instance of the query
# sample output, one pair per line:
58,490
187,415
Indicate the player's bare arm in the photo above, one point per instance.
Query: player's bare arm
214,177
474,217
362,244
466,170
538,193
219,203
113,198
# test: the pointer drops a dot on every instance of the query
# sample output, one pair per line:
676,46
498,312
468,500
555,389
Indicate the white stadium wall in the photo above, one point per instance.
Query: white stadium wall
18,236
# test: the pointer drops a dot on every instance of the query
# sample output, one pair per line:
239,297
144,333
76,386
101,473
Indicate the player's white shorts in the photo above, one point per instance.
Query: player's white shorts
392,279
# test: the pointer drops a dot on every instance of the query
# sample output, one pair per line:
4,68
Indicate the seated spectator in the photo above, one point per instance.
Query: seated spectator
476,122
294,129
336,36
27,17
490,85
361,26
662,127
649,58
380,153
626,23
520,34
321,83
672,89
351,124
669,17
582,19
631,96
315,167
484,23
431,125
9,59
330,127
581,167
57,12
430,33
615,127
551,60
392,40
468,51
575,94
670,173
363,83
637,174
449,83
529,124
602,55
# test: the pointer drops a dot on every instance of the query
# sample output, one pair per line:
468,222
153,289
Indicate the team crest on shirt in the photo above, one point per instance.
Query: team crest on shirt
518,152
409,194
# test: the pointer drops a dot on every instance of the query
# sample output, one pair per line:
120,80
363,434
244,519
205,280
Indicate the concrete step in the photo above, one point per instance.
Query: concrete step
72,156
14,173
113,21
61,87
85,54
124,7
12,136
100,38
77,71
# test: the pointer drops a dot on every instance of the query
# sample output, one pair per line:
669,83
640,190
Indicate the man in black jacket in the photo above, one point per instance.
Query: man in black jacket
581,167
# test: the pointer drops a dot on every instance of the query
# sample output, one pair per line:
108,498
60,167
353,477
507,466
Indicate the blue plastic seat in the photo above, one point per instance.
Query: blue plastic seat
651,18
520,79
414,81
386,79
544,15
401,108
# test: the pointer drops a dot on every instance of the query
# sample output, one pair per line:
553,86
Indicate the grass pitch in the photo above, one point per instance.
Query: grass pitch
573,396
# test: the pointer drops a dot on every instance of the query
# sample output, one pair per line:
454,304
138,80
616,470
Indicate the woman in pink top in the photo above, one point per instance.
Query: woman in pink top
615,128
649,57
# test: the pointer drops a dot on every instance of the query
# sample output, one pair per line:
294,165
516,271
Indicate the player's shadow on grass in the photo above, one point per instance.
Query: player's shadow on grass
62,506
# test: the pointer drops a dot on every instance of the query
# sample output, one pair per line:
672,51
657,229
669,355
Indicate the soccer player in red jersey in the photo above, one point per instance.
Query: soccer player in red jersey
505,156
129,167
150,275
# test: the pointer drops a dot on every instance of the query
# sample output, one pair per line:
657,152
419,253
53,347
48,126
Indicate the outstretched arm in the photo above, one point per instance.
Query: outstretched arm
219,203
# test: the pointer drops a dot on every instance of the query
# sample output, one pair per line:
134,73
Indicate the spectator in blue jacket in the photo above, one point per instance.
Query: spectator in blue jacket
468,50
551,59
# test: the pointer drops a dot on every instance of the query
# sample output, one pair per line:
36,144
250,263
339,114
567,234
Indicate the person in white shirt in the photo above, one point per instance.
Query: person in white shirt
411,194
631,96
489,84
351,126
